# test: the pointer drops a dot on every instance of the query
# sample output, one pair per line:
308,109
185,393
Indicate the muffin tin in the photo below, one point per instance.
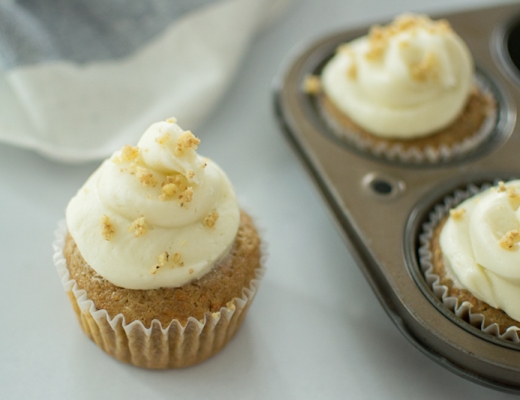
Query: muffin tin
380,205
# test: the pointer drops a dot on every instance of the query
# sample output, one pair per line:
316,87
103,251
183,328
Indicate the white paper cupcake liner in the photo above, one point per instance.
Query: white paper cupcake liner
397,152
462,310
157,347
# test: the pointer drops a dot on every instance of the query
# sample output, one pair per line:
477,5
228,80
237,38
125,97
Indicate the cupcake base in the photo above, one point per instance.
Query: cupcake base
464,134
171,334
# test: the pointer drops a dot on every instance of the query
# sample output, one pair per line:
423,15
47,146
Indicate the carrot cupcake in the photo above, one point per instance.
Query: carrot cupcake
157,258
471,255
405,91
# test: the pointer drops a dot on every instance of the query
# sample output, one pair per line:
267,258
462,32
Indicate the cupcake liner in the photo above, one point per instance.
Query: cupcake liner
398,152
156,347
461,309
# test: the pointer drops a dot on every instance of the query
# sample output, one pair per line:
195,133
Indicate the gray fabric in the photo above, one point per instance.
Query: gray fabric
36,31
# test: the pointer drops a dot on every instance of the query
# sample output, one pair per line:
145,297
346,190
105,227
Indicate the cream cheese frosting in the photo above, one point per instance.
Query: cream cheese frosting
155,215
405,80
480,246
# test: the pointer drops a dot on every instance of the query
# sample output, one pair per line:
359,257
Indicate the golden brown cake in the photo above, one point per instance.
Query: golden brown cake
491,314
218,288
466,126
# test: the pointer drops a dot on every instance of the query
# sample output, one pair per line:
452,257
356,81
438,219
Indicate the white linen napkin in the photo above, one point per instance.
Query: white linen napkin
81,78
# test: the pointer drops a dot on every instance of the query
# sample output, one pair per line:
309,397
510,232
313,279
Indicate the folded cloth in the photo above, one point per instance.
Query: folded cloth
80,78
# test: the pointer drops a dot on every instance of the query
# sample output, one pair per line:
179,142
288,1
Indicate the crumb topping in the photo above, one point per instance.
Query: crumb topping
128,153
138,227
457,213
513,196
510,239
162,261
211,219
352,70
145,177
426,69
163,139
312,84
176,184
186,141
379,36
172,120
501,186
107,228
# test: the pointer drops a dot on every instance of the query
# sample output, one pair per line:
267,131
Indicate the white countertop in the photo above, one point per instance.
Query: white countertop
315,330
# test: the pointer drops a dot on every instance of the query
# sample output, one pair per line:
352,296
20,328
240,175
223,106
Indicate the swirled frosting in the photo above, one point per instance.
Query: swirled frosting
155,215
480,246
405,80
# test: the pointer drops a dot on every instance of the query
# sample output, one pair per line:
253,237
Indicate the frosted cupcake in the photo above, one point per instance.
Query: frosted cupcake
471,255
159,262
405,91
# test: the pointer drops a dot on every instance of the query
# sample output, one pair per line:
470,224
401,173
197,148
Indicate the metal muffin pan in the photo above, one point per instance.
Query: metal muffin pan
380,205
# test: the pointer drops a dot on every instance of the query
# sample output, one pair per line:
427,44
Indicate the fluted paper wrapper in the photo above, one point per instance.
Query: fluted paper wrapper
156,347
461,309
415,155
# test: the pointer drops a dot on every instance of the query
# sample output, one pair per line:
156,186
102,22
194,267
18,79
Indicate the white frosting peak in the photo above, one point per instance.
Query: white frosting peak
480,247
155,215
405,80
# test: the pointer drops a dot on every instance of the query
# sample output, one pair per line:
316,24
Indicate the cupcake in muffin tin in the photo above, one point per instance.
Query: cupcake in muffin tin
407,91
470,253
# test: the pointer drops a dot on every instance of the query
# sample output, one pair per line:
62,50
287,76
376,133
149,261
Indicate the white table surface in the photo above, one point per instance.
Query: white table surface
315,330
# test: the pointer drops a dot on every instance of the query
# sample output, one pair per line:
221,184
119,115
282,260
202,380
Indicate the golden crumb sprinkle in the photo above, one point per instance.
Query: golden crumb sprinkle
211,219
145,177
427,69
107,229
163,138
457,213
168,190
162,261
510,239
172,120
138,227
511,192
352,70
186,141
177,260
379,36
190,174
513,196
312,84
187,195
501,186
128,153
191,271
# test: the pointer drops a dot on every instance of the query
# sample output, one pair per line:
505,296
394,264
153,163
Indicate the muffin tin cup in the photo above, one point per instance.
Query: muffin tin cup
156,347
381,204
462,310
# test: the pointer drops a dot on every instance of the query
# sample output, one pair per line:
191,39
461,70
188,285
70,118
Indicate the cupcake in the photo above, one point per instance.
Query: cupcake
405,91
157,258
470,256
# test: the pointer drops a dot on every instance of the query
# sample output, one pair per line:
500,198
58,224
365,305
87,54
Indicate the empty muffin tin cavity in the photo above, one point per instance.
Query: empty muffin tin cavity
507,44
